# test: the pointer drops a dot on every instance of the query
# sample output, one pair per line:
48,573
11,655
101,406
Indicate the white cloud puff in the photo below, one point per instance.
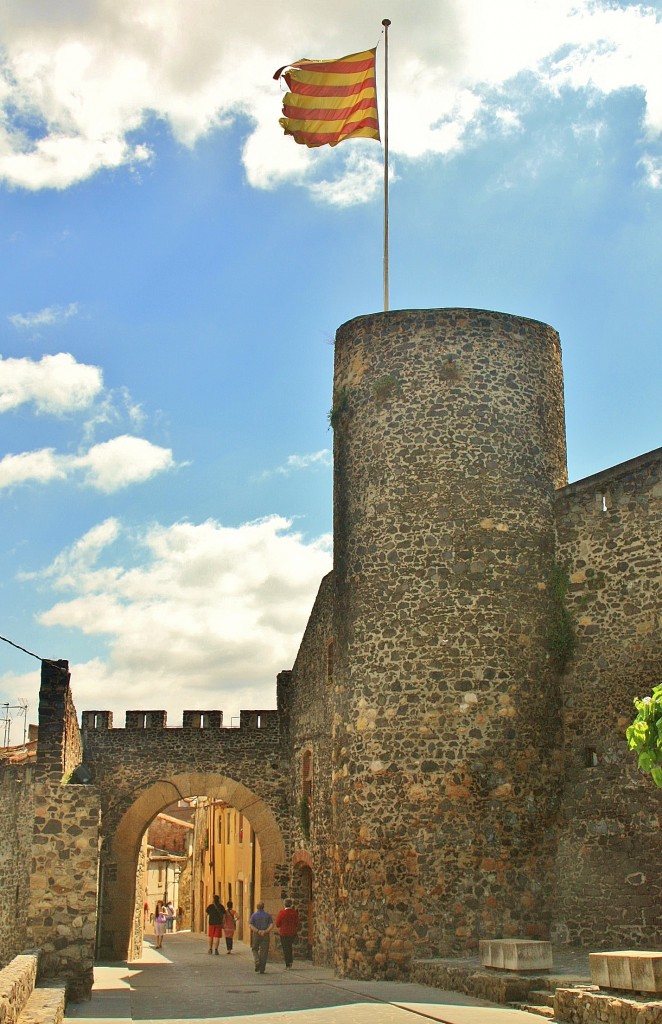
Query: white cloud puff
122,461
296,463
107,467
196,615
44,317
80,82
55,384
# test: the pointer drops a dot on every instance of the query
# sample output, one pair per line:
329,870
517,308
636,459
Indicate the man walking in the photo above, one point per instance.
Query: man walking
287,924
215,913
261,924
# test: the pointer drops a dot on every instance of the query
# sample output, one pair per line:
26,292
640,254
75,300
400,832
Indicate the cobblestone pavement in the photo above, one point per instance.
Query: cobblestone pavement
182,983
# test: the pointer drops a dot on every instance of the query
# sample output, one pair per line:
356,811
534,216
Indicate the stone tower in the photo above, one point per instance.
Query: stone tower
449,445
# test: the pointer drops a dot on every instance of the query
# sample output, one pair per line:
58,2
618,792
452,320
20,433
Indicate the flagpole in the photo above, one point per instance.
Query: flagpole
386,24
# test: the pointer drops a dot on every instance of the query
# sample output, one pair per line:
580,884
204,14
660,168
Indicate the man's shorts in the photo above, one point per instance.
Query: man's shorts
215,931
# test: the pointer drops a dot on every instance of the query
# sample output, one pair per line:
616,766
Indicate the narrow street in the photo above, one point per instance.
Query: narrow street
181,982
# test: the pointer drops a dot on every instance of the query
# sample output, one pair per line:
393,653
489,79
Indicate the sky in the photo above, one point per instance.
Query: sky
173,269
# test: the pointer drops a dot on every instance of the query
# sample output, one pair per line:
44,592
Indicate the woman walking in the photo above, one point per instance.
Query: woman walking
159,923
229,925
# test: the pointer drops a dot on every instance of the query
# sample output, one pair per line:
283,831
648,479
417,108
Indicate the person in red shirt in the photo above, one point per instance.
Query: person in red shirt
287,925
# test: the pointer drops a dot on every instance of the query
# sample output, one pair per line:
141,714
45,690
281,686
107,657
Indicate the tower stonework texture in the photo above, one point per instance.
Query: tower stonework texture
449,447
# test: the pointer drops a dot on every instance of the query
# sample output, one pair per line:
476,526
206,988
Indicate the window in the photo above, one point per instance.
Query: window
307,773
241,830
590,757
329,661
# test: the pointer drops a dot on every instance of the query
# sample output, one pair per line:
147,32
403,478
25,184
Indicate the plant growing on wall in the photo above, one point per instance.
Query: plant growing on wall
386,387
304,815
340,403
449,369
561,638
645,734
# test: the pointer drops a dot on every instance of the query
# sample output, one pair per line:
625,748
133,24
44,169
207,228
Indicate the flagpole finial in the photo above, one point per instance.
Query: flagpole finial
386,22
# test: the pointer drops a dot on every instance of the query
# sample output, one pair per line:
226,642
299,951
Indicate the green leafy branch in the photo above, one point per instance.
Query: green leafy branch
645,734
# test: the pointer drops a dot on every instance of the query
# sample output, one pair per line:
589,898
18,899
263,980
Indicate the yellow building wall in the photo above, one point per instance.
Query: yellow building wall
231,863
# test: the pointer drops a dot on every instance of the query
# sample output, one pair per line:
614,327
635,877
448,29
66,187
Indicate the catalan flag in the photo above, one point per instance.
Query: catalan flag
330,100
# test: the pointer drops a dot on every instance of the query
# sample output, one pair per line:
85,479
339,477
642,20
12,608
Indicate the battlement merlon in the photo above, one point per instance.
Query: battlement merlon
98,721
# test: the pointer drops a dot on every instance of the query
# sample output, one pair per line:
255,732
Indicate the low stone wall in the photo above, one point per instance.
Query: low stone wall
17,981
592,1005
482,983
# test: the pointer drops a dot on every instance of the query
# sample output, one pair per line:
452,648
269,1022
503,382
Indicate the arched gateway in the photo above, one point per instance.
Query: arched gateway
94,790
145,767
118,867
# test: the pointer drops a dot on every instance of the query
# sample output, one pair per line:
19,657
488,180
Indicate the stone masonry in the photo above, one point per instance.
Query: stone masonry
447,760
471,778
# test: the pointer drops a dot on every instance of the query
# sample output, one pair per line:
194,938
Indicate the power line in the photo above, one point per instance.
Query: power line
47,661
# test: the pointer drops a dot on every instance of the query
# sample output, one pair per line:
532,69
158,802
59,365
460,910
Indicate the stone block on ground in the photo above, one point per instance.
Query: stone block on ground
516,954
631,970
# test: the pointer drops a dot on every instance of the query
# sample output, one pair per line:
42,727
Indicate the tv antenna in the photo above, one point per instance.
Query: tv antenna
21,710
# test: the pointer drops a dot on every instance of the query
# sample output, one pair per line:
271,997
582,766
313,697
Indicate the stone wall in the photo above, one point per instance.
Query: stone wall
168,834
309,709
63,882
609,867
49,846
60,748
16,815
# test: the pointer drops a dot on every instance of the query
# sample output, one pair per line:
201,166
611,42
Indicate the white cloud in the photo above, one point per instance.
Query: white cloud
294,463
55,384
125,460
222,609
107,467
653,169
81,82
45,317
360,180
41,467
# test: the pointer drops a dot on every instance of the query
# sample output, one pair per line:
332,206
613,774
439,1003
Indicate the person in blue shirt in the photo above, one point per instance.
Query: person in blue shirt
261,925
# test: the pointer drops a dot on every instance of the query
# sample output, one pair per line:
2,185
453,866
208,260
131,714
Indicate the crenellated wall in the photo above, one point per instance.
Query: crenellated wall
146,766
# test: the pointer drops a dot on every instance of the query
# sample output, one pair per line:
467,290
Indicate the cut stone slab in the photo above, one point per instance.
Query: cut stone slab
516,954
630,969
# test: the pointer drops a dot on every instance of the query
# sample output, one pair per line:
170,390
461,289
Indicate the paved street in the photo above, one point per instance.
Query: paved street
183,983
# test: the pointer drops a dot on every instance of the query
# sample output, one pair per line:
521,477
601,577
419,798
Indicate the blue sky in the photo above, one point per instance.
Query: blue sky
174,269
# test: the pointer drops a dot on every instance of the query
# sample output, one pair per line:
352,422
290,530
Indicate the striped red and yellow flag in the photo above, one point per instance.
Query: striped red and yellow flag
330,100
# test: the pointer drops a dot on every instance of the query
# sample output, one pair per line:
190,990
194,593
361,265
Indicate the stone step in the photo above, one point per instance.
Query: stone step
45,1006
541,997
541,1011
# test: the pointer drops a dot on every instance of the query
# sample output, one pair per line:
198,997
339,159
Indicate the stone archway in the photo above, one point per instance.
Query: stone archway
121,850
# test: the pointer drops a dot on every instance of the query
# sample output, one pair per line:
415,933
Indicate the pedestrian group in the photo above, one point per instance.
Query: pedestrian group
222,922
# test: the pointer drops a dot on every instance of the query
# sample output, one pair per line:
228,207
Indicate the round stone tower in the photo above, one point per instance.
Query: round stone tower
449,445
